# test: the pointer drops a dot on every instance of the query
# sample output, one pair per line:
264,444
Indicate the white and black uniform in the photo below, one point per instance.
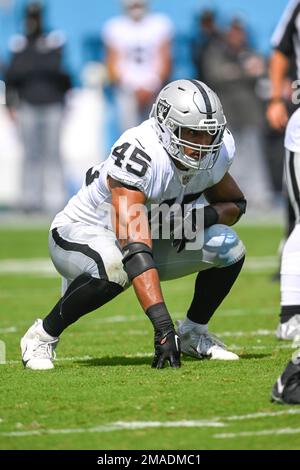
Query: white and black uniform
139,60
138,44
290,263
286,39
82,238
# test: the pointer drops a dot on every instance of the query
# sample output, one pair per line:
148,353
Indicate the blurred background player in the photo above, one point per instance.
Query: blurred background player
286,42
138,47
233,69
208,35
36,86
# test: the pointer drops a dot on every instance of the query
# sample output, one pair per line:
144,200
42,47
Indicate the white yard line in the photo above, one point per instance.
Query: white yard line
143,318
250,347
240,334
261,263
264,432
118,426
39,266
270,414
11,329
122,319
180,315
44,267
216,422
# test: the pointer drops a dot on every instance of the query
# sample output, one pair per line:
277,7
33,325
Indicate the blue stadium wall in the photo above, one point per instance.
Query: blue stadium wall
81,20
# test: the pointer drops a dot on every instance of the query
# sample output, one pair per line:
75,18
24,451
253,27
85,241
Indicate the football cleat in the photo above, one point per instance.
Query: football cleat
290,329
203,345
286,389
38,348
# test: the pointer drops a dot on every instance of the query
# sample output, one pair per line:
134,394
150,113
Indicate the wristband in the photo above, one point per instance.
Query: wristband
160,318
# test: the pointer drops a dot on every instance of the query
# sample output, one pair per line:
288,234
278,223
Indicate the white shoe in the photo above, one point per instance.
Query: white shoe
38,348
290,329
203,345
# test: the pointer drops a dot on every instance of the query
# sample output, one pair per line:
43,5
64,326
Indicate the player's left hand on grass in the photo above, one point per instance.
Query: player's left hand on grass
167,349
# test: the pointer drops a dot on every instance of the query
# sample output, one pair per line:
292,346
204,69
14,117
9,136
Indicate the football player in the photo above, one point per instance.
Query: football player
180,154
286,47
286,389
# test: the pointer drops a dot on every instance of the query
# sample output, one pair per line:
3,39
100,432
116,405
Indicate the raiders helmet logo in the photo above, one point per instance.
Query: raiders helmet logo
163,109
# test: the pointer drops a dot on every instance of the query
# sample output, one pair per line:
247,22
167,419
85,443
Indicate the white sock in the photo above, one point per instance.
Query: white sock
191,325
44,336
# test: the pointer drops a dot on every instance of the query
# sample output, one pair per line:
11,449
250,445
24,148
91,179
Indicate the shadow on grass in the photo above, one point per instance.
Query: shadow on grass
116,361
146,360
241,355
255,356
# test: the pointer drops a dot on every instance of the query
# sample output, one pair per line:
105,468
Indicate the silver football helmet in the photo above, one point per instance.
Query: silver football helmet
189,104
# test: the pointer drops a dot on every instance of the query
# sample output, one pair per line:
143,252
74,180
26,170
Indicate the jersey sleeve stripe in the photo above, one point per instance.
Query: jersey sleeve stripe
285,24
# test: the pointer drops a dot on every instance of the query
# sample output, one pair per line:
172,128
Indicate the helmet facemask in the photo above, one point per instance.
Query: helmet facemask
208,153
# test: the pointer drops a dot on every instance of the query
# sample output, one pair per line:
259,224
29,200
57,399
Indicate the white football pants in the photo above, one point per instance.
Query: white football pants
77,248
290,264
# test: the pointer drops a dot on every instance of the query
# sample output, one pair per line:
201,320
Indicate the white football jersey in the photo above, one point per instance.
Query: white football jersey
139,160
292,133
138,44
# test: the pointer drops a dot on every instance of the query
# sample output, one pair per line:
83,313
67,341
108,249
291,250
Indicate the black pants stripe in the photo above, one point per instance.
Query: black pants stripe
81,248
292,170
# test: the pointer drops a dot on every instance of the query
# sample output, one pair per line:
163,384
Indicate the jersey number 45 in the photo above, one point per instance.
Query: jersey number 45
138,162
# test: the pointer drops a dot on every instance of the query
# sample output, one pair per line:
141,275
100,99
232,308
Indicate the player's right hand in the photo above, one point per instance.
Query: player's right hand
167,349
277,115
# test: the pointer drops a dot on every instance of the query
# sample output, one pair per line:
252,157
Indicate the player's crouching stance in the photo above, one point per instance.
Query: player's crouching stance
182,153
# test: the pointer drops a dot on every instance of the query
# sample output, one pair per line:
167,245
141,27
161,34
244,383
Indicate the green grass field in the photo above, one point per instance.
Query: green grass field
103,393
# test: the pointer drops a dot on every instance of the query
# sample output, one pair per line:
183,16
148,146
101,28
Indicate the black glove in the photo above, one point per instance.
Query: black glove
181,230
208,216
167,348
179,244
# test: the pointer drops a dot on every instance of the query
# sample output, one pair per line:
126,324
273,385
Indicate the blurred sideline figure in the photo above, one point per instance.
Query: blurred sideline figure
138,47
36,86
286,48
207,34
233,69
11,154
83,142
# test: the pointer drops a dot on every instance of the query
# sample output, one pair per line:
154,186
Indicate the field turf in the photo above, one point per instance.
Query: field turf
103,393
